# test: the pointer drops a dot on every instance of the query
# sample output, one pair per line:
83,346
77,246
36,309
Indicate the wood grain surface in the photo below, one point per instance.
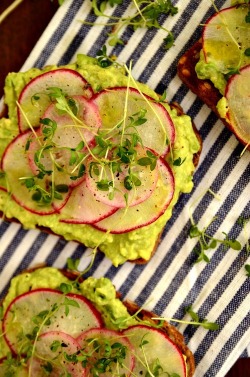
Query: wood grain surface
19,33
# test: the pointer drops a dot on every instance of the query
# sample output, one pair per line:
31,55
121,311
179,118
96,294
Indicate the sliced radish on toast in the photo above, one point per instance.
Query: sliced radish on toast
34,98
81,126
54,355
238,101
225,39
33,195
130,218
83,207
154,351
125,111
50,310
128,187
108,353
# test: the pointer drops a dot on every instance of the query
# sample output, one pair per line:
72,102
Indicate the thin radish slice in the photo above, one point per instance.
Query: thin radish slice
108,353
121,107
53,352
34,98
57,160
225,38
238,100
145,213
128,187
17,169
83,207
82,127
50,310
155,351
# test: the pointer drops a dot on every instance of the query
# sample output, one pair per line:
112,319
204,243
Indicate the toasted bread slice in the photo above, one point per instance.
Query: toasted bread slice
133,309
204,89
196,157
111,241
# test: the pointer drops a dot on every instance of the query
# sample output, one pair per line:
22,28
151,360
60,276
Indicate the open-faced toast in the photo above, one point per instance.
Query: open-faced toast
101,314
135,156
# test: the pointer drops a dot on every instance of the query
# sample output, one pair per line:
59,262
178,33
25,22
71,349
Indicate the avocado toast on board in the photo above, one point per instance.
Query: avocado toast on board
92,155
217,67
56,323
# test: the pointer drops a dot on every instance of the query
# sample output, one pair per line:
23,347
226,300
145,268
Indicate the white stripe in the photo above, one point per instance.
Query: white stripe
20,252
9,235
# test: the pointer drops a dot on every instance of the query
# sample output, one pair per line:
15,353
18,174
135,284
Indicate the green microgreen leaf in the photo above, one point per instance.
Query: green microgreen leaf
247,268
103,60
73,264
168,41
247,18
200,322
179,161
247,52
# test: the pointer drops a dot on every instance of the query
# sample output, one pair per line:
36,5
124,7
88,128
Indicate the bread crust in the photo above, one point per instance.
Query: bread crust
204,89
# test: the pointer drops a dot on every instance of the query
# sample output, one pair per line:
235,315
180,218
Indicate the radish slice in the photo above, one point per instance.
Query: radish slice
153,350
145,213
225,39
16,166
108,352
57,160
83,207
50,351
34,98
117,194
72,314
157,132
82,128
238,99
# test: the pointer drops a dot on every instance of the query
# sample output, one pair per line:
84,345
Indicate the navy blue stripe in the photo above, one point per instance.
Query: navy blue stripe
84,30
12,247
229,346
57,249
4,225
220,252
27,259
58,34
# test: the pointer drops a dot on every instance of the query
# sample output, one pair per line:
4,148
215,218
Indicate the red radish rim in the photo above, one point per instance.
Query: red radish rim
171,177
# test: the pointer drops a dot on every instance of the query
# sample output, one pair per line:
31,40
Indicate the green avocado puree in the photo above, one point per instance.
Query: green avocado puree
209,71
100,291
118,248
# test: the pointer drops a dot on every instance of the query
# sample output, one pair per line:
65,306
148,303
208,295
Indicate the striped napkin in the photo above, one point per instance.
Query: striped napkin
171,281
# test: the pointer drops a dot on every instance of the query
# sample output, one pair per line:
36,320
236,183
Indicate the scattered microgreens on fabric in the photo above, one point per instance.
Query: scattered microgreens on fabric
196,320
206,241
147,14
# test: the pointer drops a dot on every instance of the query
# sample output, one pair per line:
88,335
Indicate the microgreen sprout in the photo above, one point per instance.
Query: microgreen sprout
206,241
247,268
242,221
196,321
146,14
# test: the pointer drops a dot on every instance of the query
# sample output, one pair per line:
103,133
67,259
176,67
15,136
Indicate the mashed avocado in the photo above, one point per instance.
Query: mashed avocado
230,52
100,292
117,247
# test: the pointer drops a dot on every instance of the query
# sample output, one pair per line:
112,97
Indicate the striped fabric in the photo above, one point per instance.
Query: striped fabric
171,281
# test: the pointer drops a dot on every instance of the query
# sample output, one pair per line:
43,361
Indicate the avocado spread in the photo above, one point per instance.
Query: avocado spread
208,69
118,248
100,291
